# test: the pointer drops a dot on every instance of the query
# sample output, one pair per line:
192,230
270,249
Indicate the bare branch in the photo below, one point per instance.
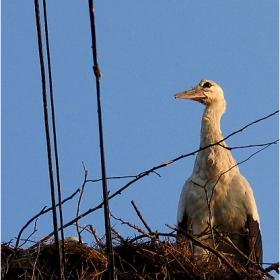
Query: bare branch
118,235
252,123
250,146
274,266
34,230
141,217
111,178
164,164
97,239
158,234
80,200
132,226
42,212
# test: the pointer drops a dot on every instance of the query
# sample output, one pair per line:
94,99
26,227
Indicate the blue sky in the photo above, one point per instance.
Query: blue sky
147,53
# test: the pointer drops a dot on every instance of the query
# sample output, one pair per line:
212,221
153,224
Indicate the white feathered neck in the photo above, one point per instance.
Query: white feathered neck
215,160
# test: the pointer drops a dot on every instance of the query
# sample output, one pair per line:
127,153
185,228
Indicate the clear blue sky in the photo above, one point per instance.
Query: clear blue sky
147,53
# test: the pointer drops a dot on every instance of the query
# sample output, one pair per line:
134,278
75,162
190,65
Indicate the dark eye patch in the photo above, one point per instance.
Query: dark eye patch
207,85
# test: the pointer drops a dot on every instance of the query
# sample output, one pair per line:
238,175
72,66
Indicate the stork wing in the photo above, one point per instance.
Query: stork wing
254,240
185,224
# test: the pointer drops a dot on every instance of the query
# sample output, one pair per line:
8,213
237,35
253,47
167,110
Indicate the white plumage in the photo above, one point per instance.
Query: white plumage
217,185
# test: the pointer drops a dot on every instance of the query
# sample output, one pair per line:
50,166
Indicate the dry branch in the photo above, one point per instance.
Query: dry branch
164,164
141,217
42,212
274,266
80,200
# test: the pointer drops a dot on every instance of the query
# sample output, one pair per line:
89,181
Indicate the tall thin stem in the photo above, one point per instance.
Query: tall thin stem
109,245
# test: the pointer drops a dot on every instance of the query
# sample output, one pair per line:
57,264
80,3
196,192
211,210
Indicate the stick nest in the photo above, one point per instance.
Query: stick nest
134,259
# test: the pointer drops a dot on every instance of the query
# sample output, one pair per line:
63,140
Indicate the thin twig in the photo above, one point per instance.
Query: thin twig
111,178
249,146
97,239
80,200
158,234
35,262
28,237
230,243
132,226
252,123
141,217
274,266
42,212
180,264
118,235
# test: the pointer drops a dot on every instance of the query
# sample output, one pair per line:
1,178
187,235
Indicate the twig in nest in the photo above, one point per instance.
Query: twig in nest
228,241
118,235
34,230
180,264
80,200
274,266
35,262
132,226
152,236
211,249
141,217
97,239
121,260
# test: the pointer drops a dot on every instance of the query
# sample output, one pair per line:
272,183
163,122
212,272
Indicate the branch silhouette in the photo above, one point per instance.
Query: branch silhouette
164,164
42,212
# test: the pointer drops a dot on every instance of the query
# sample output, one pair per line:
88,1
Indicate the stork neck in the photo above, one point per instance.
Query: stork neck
210,127
210,162
214,160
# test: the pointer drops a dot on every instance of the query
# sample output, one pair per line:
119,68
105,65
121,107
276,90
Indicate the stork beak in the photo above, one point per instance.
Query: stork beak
195,94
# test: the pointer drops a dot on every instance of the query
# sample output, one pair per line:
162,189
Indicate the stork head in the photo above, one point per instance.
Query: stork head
206,92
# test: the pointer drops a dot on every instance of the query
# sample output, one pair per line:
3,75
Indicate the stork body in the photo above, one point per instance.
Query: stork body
217,198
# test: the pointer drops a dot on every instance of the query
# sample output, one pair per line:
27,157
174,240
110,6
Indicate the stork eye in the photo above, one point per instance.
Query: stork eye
207,85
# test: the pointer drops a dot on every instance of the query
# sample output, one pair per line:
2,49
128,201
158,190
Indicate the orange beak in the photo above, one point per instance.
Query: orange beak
195,94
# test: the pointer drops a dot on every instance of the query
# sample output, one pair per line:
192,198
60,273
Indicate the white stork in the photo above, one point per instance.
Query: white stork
216,198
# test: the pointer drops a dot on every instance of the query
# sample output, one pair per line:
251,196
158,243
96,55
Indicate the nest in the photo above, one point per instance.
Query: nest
134,259
148,256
